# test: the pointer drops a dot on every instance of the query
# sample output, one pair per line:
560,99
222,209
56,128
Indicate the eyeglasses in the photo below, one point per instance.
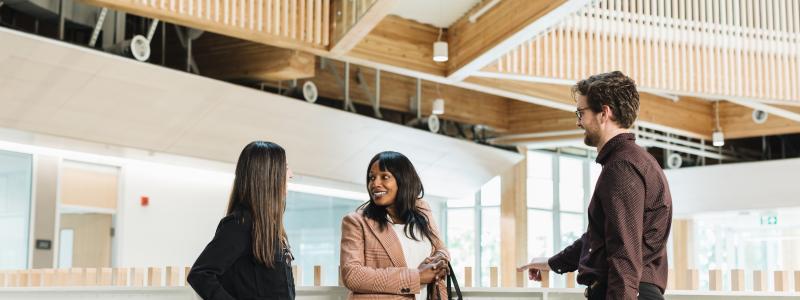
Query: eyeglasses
579,112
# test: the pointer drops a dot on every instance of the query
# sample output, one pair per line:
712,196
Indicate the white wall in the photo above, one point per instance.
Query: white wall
753,185
185,207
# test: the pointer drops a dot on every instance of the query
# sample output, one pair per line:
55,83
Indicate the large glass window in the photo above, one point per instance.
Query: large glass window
750,240
461,234
570,184
490,229
558,190
557,201
468,216
15,204
313,223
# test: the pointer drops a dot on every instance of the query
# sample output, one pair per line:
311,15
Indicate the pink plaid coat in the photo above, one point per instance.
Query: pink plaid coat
372,261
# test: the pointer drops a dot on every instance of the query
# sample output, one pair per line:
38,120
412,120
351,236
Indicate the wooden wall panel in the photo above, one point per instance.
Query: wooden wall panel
402,43
553,92
688,114
223,57
347,35
468,40
89,186
737,122
528,118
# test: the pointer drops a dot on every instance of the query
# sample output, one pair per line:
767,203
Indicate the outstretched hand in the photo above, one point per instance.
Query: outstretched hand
535,268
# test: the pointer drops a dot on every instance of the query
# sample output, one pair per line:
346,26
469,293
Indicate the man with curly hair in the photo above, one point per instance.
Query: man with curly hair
623,254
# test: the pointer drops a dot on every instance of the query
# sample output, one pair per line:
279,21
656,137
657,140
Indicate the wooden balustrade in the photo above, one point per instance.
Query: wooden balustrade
781,280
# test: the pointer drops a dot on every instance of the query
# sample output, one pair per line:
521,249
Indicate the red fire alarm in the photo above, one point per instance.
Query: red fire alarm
145,200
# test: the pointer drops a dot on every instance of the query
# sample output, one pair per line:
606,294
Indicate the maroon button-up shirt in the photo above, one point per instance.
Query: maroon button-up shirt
630,216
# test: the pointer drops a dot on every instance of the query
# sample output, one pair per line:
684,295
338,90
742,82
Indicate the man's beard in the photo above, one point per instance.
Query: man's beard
589,139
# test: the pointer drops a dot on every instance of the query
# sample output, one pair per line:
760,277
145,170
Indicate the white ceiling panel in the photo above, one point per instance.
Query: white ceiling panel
117,101
439,13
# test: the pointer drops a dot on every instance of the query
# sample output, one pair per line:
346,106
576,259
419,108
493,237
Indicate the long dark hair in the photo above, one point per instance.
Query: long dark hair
409,191
260,189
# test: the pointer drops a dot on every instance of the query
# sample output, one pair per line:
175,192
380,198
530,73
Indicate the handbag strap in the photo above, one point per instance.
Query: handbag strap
452,277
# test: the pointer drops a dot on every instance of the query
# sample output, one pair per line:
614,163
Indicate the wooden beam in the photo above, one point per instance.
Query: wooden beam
736,121
400,43
228,58
499,30
346,36
691,115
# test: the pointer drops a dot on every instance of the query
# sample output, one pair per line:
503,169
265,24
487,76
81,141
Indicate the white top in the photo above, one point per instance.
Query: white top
414,251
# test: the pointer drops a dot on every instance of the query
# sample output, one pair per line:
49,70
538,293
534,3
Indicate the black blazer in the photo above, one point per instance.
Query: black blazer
227,269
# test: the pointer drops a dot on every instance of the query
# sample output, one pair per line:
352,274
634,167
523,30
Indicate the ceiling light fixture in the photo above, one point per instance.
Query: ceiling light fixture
438,104
440,49
717,138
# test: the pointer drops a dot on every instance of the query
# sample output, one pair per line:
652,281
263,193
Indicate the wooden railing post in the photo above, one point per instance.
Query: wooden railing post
317,275
759,281
545,279
737,280
137,277
467,276
715,280
90,277
521,277
493,277
154,277
105,278
173,278
298,276
781,279
797,281
121,277
570,280
692,280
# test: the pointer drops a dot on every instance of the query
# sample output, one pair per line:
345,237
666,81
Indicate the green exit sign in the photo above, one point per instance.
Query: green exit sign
769,220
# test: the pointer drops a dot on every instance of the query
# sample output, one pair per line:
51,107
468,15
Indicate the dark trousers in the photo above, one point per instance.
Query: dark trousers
647,291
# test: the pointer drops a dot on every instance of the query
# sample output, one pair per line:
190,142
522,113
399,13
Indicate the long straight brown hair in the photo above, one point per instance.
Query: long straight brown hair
260,189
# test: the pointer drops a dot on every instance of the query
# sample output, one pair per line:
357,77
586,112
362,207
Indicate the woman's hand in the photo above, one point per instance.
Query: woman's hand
435,258
431,272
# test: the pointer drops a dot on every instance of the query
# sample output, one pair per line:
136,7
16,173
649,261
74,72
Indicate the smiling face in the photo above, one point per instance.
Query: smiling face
382,185
588,121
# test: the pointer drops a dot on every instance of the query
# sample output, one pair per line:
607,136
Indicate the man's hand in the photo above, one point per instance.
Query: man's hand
535,268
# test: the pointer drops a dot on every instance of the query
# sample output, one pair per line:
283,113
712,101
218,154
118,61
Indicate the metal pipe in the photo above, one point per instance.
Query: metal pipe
98,26
163,44
687,150
61,19
188,54
346,85
378,93
419,98
152,31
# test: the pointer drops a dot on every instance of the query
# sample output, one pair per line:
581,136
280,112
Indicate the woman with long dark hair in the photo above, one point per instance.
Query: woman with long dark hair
391,247
249,256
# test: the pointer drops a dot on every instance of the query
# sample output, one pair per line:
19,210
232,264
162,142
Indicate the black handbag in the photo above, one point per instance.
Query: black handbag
452,282
451,278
